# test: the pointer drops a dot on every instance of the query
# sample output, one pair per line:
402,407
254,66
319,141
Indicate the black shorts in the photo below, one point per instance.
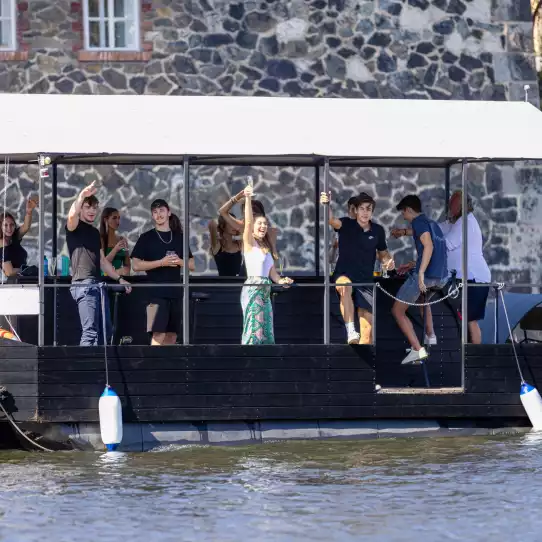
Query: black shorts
164,316
362,296
476,303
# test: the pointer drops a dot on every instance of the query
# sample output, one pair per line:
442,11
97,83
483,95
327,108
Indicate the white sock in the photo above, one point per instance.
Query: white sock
350,327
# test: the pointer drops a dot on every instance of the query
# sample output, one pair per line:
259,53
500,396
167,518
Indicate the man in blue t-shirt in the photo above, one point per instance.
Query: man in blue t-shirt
430,270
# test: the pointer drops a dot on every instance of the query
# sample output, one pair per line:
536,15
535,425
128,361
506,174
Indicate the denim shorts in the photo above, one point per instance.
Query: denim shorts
410,291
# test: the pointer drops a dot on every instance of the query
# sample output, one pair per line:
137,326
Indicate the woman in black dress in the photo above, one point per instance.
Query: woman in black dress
12,255
226,250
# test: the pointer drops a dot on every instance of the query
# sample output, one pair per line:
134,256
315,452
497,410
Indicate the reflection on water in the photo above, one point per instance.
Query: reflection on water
422,489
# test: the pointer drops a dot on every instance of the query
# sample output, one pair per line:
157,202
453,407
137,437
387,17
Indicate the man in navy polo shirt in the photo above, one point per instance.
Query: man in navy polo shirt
361,241
430,270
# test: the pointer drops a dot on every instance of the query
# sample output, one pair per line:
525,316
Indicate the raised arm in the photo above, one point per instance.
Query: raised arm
31,204
224,211
75,209
248,238
335,223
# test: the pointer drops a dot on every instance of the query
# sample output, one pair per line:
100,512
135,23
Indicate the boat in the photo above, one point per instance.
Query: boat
209,389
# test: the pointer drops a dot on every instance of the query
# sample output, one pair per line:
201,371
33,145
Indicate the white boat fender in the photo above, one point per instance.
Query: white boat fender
532,403
110,411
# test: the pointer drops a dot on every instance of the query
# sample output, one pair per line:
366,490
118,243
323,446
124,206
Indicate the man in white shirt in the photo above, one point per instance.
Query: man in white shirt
478,270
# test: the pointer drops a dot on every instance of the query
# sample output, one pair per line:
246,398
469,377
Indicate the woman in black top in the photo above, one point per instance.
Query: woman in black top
159,252
12,255
225,249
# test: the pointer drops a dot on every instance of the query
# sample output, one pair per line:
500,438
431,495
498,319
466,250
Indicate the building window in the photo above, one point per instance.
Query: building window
111,25
8,29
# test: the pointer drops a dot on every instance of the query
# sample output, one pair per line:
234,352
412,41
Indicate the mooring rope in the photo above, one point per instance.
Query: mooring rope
103,292
500,288
10,419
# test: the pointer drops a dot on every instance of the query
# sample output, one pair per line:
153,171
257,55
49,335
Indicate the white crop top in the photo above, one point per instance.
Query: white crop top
257,262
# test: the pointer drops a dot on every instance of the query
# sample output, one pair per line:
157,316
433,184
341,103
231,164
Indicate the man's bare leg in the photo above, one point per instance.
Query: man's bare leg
403,321
347,308
158,339
365,326
475,332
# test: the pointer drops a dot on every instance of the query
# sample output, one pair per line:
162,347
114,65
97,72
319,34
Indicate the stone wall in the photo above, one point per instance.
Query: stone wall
422,49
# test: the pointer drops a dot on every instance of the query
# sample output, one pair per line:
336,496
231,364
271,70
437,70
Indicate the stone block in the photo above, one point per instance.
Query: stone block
348,429
407,428
182,433
289,430
233,433
510,10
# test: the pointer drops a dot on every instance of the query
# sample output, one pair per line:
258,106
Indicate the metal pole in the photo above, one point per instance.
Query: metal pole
41,249
464,269
496,316
54,248
317,220
446,189
327,304
186,250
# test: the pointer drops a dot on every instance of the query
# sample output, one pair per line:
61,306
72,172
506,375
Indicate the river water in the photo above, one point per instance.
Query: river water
474,489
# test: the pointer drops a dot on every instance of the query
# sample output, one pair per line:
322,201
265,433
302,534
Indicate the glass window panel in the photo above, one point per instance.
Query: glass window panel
94,34
93,8
106,35
106,7
5,33
120,34
120,8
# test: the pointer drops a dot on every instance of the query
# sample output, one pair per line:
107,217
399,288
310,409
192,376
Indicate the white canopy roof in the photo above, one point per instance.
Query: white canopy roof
252,130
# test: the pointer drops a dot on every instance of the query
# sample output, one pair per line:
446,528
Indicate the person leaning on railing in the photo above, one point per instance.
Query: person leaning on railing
87,258
12,255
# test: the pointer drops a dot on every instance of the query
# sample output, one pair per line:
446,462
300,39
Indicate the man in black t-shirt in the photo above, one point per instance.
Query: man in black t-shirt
87,258
361,241
159,252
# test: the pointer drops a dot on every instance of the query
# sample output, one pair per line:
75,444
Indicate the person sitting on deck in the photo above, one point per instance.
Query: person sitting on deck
159,252
430,270
87,257
361,241
261,272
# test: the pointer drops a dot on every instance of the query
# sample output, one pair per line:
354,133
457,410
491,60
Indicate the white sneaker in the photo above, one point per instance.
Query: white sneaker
415,356
353,337
430,339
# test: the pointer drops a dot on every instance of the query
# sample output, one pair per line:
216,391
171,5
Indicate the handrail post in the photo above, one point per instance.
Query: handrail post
327,304
464,269
43,173
186,250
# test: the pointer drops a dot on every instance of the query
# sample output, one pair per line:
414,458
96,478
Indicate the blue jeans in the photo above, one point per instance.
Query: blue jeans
89,304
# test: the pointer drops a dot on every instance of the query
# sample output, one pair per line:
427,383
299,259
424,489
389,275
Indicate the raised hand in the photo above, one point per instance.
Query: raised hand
90,190
397,232
248,191
325,198
31,204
